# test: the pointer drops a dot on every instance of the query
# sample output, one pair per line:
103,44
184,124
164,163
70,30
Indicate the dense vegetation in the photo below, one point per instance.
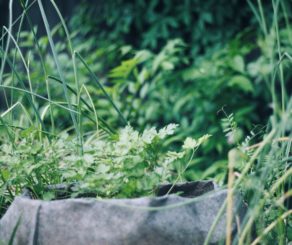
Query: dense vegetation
121,103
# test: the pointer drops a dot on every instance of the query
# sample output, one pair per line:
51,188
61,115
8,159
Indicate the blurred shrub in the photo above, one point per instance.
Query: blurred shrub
203,25
156,89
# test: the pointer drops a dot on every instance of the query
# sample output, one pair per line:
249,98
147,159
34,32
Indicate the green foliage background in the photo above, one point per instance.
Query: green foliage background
185,61
165,62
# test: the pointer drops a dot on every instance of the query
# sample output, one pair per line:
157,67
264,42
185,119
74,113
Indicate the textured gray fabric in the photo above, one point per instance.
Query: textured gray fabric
118,221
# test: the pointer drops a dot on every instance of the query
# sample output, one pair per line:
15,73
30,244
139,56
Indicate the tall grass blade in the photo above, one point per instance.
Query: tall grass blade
80,138
17,19
4,57
90,108
94,77
56,60
24,89
40,55
26,92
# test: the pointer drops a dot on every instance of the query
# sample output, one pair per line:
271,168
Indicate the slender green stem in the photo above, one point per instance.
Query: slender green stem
94,77
60,71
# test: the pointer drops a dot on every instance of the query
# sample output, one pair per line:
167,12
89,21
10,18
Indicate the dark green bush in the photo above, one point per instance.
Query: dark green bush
203,25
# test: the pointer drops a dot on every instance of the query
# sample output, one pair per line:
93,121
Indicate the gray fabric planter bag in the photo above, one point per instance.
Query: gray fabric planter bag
166,219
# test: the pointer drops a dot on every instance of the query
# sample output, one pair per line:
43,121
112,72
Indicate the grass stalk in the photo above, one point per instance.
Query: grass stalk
40,97
56,60
4,54
94,77
260,205
281,75
229,211
73,58
40,55
271,226
27,94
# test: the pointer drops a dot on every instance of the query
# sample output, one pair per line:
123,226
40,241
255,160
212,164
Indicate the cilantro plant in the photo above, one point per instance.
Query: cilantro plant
126,164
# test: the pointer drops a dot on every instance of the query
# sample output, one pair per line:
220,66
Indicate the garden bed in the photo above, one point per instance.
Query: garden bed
167,219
